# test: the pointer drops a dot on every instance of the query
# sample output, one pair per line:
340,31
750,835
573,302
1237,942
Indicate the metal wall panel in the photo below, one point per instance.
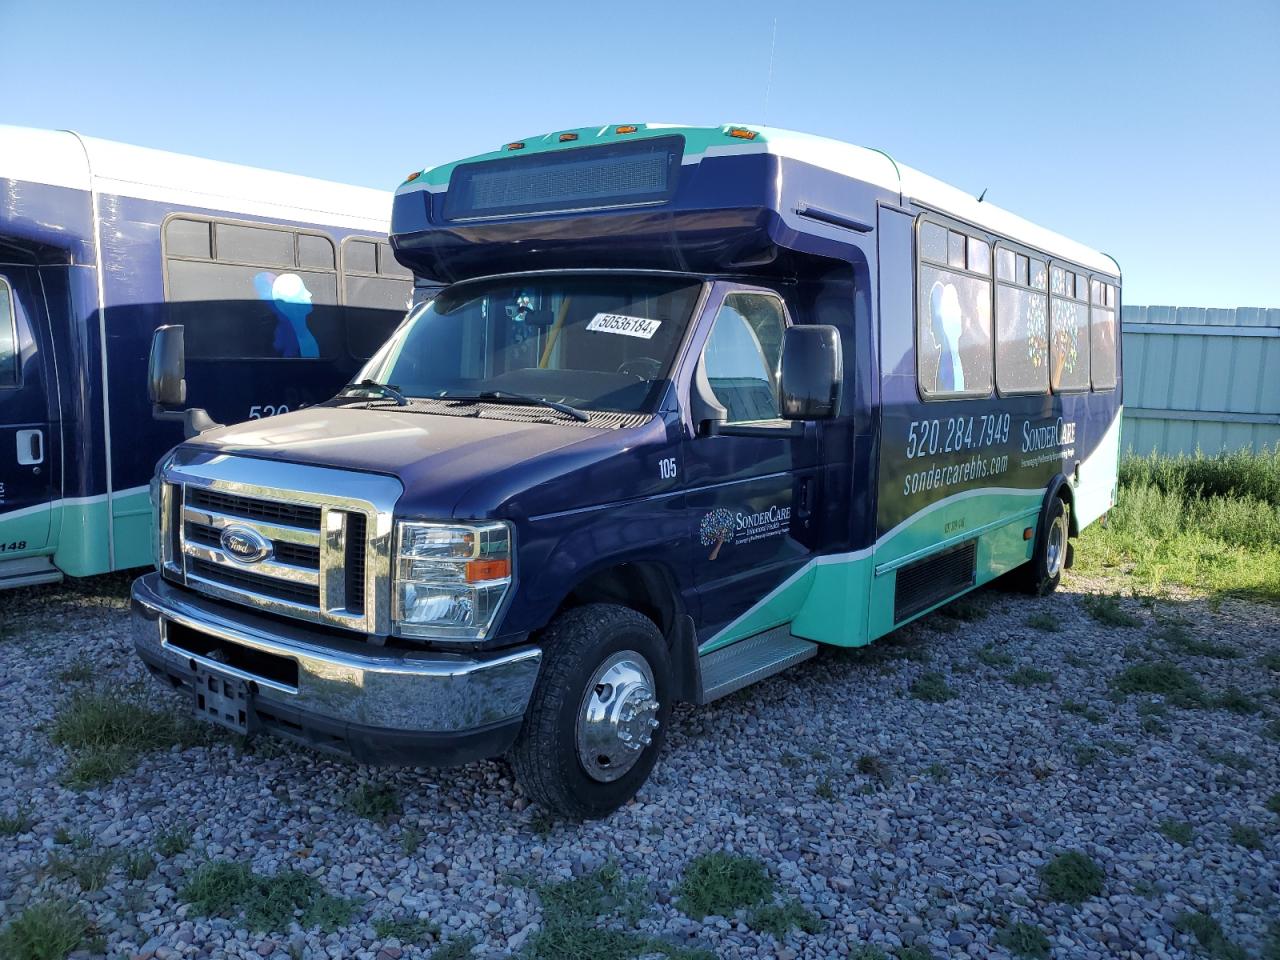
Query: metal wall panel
1200,378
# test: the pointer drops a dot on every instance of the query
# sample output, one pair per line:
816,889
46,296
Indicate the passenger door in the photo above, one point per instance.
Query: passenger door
28,436
750,498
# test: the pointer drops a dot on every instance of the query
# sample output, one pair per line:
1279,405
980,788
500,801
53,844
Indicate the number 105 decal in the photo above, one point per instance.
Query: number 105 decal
930,437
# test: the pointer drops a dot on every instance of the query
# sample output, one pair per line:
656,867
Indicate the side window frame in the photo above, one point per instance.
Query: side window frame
786,324
1032,254
917,262
13,330
1107,285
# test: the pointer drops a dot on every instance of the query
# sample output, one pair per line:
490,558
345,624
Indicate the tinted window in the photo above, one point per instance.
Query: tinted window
1102,346
233,311
953,341
955,249
1022,341
254,245
979,256
359,256
389,266
933,242
743,354
8,337
188,238
1069,344
1004,264
315,252
1038,278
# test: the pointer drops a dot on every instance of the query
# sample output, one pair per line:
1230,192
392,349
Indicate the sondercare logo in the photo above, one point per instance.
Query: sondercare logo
1056,434
721,526
754,521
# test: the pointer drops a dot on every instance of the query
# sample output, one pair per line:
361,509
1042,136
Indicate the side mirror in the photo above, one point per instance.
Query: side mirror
167,382
812,373
166,370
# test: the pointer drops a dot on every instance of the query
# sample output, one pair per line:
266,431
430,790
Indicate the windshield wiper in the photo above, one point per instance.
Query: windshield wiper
564,408
372,386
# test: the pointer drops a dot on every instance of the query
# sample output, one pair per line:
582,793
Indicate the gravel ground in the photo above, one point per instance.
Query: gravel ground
896,820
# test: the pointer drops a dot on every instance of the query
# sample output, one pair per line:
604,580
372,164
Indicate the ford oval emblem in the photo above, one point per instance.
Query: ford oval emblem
245,545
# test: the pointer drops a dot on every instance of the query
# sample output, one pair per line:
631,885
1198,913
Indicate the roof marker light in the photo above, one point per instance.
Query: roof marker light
742,134
518,145
413,176
625,128
566,137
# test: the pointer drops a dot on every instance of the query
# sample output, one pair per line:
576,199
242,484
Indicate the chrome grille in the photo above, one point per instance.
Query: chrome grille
305,551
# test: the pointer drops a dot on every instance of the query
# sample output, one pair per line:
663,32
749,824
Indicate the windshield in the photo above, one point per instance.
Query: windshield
599,342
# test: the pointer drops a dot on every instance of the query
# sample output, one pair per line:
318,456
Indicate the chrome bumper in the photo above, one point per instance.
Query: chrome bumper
374,688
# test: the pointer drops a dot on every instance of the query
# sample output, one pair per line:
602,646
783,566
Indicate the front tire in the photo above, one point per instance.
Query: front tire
599,712
1043,574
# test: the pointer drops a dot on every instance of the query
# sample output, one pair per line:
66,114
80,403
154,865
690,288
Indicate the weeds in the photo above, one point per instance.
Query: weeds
1208,934
720,883
374,801
931,687
870,765
991,656
938,772
1044,620
458,949
138,866
967,609
411,837
1273,803
406,931
1245,836
824,790
221,888
1237,701
1105,609
1031,677
80,670
89,870
15,823
780,919
44,931
1071,878
1024,940
1081,710
173,841
1177,831
1181,639
1160,677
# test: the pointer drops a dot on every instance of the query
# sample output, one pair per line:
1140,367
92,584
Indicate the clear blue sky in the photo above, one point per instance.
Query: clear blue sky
1148,130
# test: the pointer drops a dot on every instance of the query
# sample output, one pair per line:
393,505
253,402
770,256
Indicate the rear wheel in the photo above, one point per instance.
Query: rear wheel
1043,574
599,711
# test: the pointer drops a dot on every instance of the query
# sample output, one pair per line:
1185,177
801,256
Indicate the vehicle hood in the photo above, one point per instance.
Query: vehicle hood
437,458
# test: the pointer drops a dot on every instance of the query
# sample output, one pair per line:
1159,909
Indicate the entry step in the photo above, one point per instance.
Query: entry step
741,664
28,572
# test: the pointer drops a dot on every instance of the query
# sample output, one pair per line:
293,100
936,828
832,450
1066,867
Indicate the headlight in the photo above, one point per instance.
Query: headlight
451,579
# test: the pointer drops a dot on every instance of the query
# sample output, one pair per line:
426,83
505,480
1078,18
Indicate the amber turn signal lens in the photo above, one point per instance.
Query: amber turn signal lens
625,128
413,176
478,570
566,137
1027,534
518,145
742,134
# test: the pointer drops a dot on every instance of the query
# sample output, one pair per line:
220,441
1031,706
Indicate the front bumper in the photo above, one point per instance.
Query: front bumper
375,704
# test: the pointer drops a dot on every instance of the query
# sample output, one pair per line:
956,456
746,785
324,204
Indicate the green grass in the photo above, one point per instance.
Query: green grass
720,883
12,824
1031,677
870,765
1273,803
992,656
1177,831
1245,836
1044,620
173,841
1081,710
1024,940
1272,730
44,931
825,790
1160,677
1071,877
1209,935
374,801
105,733
1105,608
458,949
406,931
1181,639
411,838
780,919
222,888
1208,523
80,670
931,687
90,870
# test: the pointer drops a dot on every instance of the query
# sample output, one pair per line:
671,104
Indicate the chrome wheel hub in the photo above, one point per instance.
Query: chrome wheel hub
1055,552
618,715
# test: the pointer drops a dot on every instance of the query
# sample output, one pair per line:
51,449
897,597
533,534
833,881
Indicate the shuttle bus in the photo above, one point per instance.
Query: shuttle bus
694,404
285,284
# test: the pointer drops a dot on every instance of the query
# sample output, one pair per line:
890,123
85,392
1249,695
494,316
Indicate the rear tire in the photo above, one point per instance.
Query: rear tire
599,712
1043,574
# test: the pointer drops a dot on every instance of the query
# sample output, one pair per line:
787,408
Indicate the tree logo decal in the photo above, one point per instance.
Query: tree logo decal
716,530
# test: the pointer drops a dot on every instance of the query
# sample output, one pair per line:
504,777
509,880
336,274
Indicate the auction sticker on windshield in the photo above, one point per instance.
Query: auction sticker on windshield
627,326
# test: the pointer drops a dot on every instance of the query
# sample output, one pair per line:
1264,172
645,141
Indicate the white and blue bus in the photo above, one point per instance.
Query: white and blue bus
694,404
285,285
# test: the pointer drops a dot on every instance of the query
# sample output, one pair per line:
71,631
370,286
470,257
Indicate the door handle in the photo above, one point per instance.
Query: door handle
30,447
804,499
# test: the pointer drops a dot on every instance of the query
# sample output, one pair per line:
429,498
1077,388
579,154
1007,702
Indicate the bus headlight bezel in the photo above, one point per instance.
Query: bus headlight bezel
451,581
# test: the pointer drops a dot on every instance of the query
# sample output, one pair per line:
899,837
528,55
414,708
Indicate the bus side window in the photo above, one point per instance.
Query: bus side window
1102,336
743,356
953,315
1069,331
1022,325
8,337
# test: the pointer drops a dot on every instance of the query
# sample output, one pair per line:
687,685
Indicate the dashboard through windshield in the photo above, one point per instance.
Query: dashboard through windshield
597,342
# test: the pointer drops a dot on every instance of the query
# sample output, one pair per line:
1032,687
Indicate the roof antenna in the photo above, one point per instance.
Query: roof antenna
768,86
983,195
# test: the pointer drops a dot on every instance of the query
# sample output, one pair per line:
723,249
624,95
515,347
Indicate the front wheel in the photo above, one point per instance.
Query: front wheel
1043,574
598,714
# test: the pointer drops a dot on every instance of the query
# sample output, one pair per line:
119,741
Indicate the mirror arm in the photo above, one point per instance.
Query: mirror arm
194,420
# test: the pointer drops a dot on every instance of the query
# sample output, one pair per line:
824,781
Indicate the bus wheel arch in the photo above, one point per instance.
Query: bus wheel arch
1053,552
